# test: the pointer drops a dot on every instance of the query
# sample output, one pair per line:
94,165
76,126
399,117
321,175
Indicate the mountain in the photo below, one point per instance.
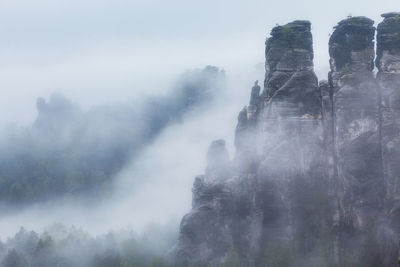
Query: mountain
315,179
71,152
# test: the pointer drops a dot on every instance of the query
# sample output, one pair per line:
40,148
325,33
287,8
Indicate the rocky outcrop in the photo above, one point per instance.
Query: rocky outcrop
291,157
218,162
357,150
388,64
220,225
279,150
246,133
315,178
290,83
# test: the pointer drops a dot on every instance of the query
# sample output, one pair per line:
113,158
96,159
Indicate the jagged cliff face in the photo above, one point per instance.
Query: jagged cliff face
315,179
356,136
388,78
291,155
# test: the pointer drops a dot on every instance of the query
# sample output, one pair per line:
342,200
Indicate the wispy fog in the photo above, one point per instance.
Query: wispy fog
154,186
114,57
138,220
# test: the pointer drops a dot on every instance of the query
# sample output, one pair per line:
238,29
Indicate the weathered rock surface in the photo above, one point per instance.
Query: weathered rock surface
220,222
356,135
388,63
315,180
291,142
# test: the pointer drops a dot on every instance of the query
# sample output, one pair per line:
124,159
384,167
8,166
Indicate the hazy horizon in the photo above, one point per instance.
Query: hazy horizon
96,52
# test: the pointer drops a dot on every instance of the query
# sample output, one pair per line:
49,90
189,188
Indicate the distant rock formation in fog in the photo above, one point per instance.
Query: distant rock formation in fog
70,152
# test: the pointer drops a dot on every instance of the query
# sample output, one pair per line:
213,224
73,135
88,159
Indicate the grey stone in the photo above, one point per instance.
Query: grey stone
315,180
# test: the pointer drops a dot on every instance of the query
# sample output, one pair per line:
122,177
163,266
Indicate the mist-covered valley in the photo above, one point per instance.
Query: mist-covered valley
182,134
67,151
108,185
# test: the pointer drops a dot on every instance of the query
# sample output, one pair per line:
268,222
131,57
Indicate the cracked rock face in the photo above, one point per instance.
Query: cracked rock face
355,99
388,49
388,63
255,210
315,180
291,131
290,82
351,45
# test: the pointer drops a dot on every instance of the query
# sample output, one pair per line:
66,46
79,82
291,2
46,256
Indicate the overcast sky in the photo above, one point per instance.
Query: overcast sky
97,51
109,52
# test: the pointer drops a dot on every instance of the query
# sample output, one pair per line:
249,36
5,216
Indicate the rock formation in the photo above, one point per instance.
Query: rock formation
315,180
388,64
291,156
356,137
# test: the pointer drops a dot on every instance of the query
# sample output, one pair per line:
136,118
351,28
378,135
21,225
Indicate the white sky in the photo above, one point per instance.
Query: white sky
97,51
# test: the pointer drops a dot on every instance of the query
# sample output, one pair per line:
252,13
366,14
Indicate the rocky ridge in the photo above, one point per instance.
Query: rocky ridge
315,180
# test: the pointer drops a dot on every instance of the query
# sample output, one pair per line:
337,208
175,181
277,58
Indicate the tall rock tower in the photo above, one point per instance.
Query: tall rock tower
388,64
315,180
356,134
291,168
